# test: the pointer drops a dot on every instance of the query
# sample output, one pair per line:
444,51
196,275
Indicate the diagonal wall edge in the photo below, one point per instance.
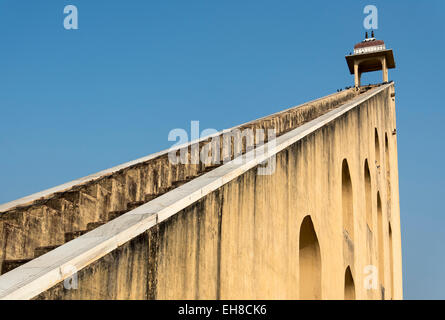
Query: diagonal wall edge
44,272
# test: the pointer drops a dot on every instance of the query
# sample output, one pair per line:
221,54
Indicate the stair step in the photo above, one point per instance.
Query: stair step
91,190
57,204
151,196
71,196
73,235
163,190
211,167
40,251
178,183
114,214
94,225
134,205
9,265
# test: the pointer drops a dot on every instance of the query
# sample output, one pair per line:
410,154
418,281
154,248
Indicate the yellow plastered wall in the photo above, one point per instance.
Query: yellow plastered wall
243,240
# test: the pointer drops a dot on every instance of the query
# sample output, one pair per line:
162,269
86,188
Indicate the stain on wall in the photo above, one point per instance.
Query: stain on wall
51,220
242,241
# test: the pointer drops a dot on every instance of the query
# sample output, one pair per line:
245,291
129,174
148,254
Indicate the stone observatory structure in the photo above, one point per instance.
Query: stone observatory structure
312,212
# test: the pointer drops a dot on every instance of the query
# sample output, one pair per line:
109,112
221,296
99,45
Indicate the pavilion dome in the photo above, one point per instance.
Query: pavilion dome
369,45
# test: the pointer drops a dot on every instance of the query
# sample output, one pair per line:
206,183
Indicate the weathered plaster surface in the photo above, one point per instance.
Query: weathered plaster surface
240,237
43,219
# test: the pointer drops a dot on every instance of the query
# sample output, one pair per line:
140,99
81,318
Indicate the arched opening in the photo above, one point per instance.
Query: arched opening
380,239
310,262
388,175
349,285
367,78
347,203
391,261
368,195
377,148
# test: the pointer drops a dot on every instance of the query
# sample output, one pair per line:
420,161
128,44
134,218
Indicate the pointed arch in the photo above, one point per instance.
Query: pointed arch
349,285
377,148
368,195
391,261
310,262
381,254
347,200
388,175
387,153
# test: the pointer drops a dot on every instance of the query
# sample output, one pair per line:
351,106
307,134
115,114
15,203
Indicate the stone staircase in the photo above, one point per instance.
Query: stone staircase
8,265
34,225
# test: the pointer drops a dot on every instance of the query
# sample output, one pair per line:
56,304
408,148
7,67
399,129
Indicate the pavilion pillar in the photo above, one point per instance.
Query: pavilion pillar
357,74
384,70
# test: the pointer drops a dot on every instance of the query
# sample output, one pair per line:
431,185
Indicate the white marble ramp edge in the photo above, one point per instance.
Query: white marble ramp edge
95,176
40,274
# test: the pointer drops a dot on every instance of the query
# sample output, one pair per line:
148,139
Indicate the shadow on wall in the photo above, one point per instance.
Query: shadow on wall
348,214
310,262
380,239
349,285
368,195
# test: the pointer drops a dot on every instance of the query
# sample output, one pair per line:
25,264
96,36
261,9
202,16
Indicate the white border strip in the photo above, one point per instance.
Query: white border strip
66,186
40,274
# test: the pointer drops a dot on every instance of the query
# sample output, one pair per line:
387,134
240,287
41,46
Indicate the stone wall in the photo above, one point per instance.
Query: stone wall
244,240
48,220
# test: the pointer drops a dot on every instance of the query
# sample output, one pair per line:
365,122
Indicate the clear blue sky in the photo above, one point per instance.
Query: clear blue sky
76,102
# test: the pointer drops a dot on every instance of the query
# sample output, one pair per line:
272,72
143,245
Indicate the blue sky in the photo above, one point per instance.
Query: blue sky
76,102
